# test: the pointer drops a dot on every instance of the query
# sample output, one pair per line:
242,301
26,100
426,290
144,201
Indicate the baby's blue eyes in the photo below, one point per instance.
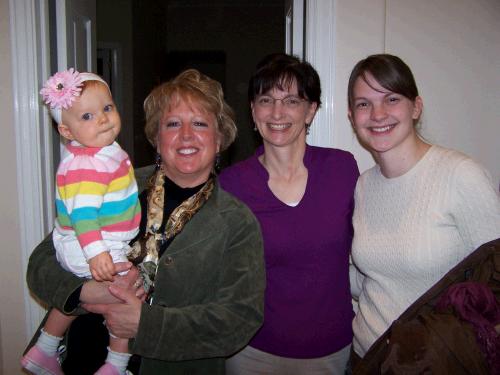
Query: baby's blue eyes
89,116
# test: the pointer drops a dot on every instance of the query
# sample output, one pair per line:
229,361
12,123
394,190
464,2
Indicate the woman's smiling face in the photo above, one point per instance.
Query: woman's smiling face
383,120
281,115
188,142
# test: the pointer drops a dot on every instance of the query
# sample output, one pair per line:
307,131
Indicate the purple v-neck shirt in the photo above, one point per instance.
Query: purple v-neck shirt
308,311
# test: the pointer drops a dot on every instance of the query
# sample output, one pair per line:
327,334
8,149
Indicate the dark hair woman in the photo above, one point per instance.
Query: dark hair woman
303,198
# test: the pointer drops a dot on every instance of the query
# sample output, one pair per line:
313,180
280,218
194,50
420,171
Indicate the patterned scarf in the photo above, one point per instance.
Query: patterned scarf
145,251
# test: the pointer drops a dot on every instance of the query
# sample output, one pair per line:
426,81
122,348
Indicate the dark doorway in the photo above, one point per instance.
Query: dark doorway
157,39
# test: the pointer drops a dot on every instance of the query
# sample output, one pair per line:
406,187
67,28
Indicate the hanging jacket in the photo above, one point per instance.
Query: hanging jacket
430,340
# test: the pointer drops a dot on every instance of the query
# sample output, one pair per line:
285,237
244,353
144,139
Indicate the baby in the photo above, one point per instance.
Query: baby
98,210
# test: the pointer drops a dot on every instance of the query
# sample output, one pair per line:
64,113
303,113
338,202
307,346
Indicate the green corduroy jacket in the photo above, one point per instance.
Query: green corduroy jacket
209,290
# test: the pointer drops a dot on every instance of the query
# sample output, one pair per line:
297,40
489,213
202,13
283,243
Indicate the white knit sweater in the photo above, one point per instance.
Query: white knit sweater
411,230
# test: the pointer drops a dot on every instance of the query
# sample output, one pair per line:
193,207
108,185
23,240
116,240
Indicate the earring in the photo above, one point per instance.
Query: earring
158,161
217,161
307,129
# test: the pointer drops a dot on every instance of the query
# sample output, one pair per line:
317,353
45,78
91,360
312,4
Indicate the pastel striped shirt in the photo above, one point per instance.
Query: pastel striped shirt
96,196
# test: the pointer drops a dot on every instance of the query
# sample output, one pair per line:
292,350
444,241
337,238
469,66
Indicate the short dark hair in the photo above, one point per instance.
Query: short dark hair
281,70
389,71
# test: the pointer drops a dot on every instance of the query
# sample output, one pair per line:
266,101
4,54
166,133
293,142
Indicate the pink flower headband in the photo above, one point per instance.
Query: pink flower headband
62,89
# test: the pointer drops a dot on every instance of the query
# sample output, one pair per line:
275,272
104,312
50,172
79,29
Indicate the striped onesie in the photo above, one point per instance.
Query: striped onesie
97,205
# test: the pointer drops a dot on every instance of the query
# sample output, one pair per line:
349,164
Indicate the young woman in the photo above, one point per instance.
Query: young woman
418,212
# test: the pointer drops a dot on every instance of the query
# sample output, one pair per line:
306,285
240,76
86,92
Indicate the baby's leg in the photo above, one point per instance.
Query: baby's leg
57,323
42,358
118,357
118,344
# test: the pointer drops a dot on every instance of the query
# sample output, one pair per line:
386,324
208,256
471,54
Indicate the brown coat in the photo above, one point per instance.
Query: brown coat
423,341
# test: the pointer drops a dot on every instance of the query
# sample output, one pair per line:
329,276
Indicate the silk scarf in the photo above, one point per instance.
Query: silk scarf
145,251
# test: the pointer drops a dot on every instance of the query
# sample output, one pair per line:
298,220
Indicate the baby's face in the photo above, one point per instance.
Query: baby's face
93,119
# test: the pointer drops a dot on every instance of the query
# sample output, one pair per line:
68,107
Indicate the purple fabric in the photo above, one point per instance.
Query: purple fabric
308,310
476,304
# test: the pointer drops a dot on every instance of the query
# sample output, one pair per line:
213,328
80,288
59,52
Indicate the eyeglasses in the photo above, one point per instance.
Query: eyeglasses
289,102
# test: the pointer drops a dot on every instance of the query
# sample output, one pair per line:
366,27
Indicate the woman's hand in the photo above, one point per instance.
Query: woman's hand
130,281
95,292
122,319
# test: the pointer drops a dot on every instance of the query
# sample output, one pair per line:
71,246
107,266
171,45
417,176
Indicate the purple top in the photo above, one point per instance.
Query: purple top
308,311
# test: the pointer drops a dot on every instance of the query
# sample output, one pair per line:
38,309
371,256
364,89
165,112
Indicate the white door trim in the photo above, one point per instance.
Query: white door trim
62,43
29,45
294,27
320,47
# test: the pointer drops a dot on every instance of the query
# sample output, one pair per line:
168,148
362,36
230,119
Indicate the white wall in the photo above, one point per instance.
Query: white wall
453,48
359,32
12,311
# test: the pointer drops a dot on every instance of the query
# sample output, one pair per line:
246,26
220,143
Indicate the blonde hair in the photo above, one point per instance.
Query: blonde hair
198,90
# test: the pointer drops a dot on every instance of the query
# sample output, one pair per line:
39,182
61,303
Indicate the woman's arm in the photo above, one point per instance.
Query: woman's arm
47,280
356,280
55,286
475,204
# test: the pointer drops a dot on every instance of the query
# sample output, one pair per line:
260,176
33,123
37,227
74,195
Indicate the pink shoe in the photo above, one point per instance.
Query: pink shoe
107,369
39,363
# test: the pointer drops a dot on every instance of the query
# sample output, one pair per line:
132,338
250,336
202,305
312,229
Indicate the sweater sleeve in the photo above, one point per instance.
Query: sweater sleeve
221,326
80,195
475,203
355,276
356,280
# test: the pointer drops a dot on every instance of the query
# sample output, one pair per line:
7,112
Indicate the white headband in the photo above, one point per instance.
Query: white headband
63,88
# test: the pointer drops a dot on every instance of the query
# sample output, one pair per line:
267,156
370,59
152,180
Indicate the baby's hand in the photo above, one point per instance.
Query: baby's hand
102,267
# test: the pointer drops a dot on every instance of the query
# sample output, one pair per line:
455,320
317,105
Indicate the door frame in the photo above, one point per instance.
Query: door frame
294,27
319,51
32,124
